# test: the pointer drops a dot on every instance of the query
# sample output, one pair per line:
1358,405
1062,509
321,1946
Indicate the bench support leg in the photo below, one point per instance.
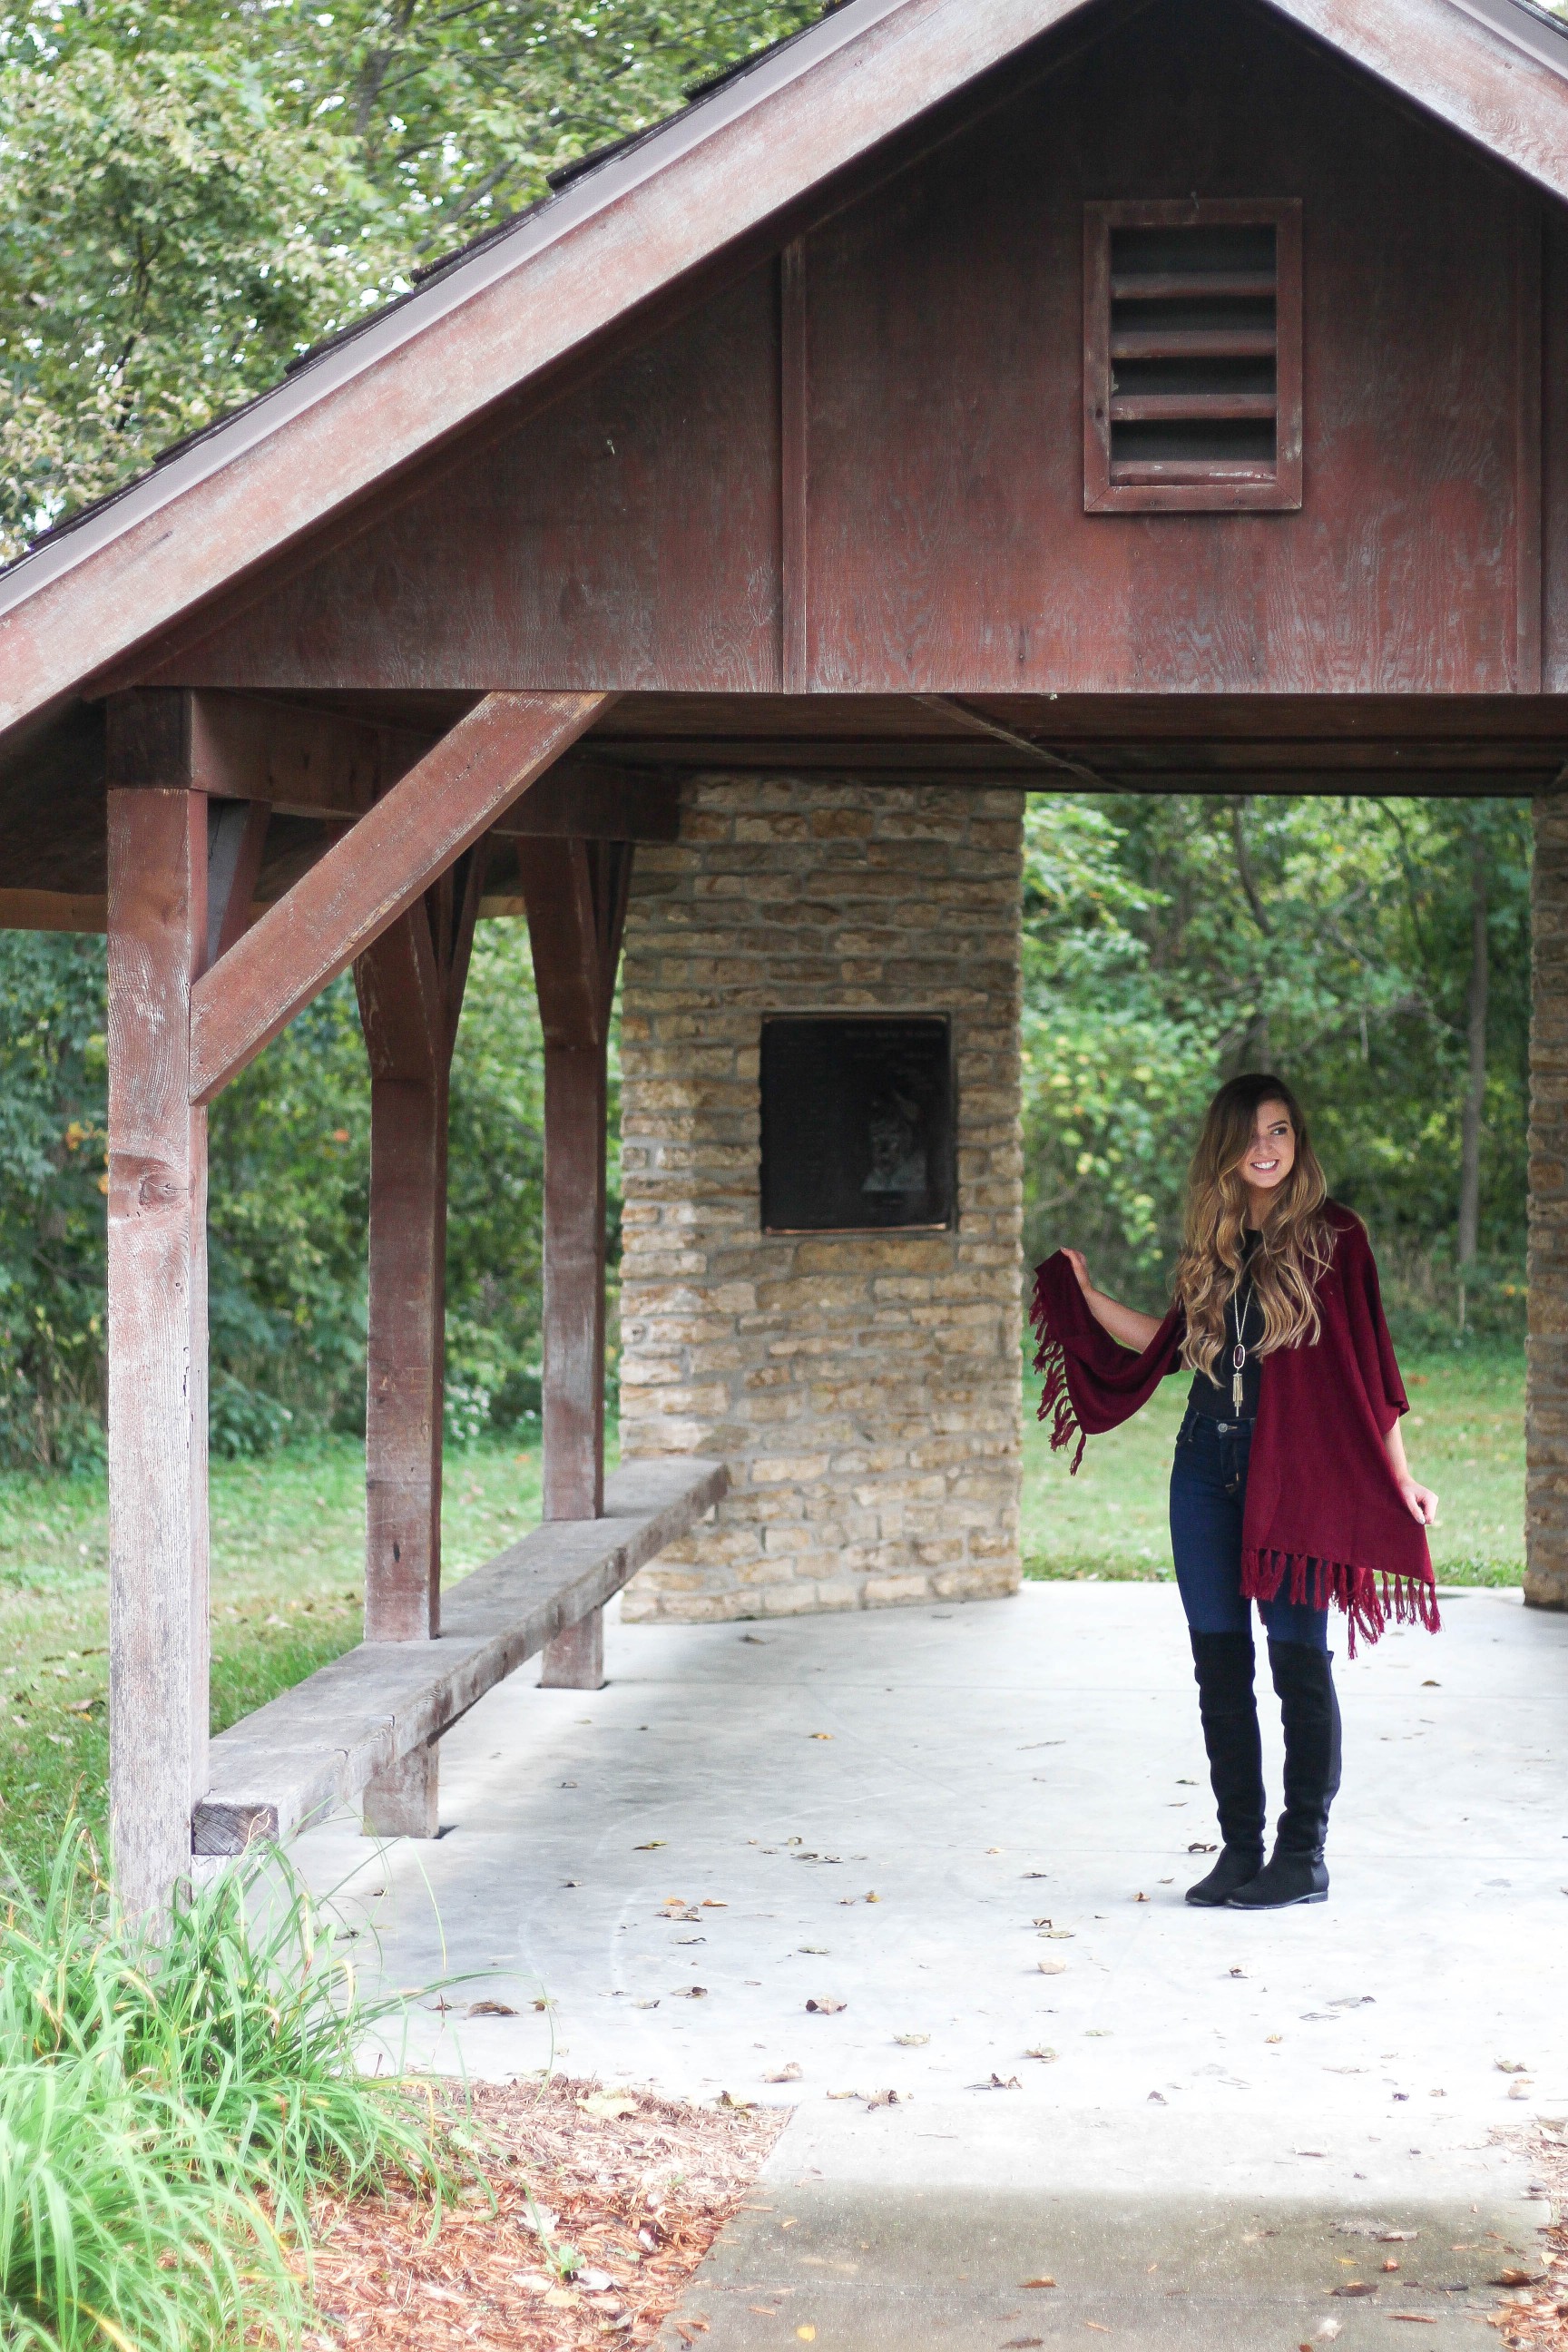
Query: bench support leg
576,1659
576,896
403,1800
157,1320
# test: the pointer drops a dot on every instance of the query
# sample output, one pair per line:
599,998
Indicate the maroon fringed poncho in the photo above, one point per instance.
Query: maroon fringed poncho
1324,1519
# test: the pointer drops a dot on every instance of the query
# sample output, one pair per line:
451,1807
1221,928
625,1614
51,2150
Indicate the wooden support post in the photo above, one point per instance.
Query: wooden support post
576,897
157,1303
410,985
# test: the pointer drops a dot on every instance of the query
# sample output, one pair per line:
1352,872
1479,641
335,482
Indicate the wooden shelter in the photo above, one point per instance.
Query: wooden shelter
1149,395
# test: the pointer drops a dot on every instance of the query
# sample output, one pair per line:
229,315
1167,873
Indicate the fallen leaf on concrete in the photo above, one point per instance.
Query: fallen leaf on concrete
1353,2286
844,2094
996,2083
1237,1972
691,1992
652,1846
1328,2331
1197,1846
1511,2066
1052,1968
1391,2264
740,2106
1420,2318
1513,2277
712,1902
688,1941
1518,2090
790,2074
883,2099
611,2105
1139,1898
1430,1685
1061,1935
490,2009
645,2004
1022,2343
1043,2052
1156,2099
911,2041
1039,2281
826,2007
819,1735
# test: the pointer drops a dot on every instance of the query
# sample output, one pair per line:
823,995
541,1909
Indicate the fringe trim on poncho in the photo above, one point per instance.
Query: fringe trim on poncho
1055,1404
1369,1597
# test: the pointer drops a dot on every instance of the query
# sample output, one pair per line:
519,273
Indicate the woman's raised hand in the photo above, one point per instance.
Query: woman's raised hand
1079,1265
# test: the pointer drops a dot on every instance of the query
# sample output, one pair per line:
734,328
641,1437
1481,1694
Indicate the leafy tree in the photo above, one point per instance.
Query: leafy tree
191,195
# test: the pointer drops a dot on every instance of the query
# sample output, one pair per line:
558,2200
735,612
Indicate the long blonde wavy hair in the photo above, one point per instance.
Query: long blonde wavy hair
1297,1241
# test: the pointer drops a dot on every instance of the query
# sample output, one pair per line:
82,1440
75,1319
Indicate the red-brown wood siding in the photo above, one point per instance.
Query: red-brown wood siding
932,475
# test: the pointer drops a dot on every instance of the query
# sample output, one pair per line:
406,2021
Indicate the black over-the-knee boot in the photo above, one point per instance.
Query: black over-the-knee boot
1295,1873
1222,1664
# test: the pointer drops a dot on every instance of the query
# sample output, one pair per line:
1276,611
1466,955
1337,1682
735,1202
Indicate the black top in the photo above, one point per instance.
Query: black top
1217,1398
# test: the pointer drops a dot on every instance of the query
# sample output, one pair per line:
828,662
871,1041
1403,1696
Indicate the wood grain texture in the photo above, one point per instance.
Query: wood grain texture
576,899
948,548
1528,529
634,527
52,911
794,461
316,1746
1554,451
157,1335
373,874
410,988
663,529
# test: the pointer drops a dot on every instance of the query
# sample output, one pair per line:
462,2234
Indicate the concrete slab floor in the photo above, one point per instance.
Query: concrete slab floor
944,1819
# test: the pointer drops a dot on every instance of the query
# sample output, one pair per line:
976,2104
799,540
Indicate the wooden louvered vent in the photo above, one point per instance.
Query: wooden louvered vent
1192,356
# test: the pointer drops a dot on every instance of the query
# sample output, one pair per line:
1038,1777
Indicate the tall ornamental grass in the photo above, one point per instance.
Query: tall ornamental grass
169,2108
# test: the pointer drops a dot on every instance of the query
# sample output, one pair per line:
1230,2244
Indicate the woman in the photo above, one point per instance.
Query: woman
1290,1486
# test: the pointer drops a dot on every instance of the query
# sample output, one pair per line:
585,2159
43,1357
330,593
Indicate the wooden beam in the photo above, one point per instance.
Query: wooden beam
301,761
236,836
576,897
157,1336
410,985
52,911
370,877
794,446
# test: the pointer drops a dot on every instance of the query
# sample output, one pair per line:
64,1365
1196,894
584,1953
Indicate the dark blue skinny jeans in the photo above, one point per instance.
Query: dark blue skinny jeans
1208,1493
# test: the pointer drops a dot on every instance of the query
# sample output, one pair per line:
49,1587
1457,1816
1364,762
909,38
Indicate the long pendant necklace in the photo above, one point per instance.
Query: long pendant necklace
1239,1353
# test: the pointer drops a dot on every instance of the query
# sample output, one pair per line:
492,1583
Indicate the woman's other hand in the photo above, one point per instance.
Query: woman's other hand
1079,1265
1419,1501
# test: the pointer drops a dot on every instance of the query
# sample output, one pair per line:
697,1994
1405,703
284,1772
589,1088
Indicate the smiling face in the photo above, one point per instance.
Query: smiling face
1270,1156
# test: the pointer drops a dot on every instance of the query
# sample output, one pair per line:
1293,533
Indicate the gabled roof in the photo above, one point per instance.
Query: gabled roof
650,214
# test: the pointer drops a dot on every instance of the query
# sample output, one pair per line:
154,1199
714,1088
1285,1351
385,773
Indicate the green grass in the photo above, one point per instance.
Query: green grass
1464,1436
287,1538
170,2110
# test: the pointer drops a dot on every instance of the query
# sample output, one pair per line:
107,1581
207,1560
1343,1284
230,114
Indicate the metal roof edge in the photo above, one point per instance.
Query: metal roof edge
1537,30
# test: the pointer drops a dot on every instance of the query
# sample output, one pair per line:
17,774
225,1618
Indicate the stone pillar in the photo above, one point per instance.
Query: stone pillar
1546,1409
864,1389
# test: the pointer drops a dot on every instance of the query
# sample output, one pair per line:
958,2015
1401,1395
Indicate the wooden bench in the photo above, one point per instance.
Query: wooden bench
315,1748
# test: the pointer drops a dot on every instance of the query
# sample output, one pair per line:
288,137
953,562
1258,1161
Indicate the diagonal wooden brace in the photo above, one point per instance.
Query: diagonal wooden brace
374,874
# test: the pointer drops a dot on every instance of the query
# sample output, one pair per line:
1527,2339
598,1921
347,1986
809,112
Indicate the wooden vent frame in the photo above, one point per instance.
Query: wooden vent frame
1211,320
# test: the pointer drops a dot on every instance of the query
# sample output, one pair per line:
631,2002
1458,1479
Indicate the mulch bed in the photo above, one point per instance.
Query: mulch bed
639,2187
1534,2317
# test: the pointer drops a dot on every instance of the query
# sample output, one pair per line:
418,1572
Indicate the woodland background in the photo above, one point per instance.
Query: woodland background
190,196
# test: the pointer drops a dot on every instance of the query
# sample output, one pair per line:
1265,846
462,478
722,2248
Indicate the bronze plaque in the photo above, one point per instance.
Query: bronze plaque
857,1121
